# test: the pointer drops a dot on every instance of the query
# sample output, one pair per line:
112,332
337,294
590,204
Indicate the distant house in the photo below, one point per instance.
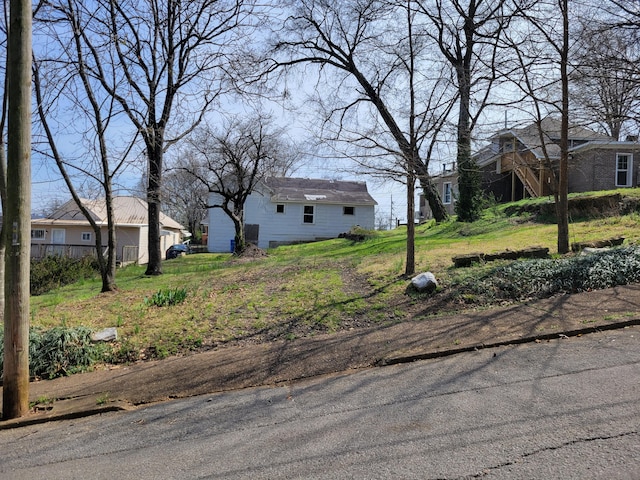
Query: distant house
68,232
284,211
513,166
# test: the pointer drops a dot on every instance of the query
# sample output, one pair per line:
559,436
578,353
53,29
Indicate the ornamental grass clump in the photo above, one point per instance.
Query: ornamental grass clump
166,297
57,352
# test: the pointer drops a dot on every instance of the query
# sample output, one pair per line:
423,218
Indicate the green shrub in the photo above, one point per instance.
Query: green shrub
166,297
542,278
55,271
58,351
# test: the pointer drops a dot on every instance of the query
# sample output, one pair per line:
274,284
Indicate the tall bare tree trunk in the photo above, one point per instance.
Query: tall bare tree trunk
17,217
430,192
410,268
468,204
562,204
3,199
154,267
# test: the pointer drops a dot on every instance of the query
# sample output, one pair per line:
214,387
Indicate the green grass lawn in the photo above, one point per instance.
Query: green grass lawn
296,290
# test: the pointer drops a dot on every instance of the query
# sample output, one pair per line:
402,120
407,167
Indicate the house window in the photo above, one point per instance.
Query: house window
86,236
348,210
308,214
280,208
446,193
58,236
38,234
624,169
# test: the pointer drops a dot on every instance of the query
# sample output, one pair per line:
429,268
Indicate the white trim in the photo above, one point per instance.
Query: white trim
38,237
55,232
305,214
628,171
447,193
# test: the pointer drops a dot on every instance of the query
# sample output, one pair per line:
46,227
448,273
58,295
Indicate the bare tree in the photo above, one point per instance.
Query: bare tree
542,48
468,34
606,79
367,58
185,197
232,161
381,94
64,83
17,213
163,63
623,14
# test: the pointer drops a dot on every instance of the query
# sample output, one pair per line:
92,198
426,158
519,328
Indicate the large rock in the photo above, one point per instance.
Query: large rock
425,282
107,335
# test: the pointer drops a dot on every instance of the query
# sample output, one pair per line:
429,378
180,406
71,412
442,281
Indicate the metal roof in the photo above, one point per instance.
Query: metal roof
128,211
318,191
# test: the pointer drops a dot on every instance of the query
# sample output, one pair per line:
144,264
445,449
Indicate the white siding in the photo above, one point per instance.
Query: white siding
329,222
168,238
221,230
143,245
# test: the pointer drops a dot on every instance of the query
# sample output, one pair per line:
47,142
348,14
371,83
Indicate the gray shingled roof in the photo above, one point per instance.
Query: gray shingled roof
529,136
318,191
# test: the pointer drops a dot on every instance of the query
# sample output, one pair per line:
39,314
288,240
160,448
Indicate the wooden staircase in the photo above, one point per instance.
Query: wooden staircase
529,179
522,168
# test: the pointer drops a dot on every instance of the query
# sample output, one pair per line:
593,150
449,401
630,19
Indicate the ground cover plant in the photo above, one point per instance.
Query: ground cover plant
58,351
324,287
541,278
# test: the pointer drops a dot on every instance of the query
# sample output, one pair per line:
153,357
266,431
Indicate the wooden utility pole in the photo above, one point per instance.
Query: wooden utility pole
17,217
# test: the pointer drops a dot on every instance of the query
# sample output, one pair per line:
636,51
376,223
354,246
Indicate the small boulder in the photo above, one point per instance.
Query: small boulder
425,282
107,335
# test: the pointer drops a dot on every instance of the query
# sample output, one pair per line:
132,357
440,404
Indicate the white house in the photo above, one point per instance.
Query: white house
68,232
283,211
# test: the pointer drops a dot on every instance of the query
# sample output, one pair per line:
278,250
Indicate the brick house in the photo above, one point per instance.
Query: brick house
514,165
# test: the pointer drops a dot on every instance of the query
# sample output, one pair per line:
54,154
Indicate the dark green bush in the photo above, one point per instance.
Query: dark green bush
55,271
58,351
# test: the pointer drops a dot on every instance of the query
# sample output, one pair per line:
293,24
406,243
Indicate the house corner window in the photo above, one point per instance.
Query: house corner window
348,210
86,236
624,169
446,193
38,234
280,208
308,214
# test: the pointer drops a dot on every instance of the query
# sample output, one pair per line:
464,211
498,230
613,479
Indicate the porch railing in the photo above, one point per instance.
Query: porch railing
41,250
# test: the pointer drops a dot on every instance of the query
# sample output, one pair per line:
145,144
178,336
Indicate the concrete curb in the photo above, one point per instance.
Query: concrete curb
516,341
68,409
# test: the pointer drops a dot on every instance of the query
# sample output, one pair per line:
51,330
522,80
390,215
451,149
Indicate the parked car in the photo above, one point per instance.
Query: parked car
177,250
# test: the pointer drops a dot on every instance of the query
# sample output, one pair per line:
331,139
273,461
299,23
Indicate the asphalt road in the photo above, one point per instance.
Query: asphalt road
566,408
